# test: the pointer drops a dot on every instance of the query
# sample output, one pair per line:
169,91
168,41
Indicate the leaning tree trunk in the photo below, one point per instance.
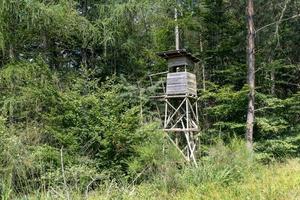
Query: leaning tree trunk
251,74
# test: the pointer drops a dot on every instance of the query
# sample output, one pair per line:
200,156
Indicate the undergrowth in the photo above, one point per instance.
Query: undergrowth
227,172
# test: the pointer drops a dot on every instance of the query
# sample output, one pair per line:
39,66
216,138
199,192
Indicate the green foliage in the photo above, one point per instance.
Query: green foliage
98,126
28,91
278,132
223,165
73,87
154,156
225,108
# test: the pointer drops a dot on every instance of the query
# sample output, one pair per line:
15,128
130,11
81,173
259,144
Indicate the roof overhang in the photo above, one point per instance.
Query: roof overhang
177,53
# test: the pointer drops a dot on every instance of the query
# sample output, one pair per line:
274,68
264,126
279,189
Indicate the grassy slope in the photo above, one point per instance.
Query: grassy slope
273,182
278,181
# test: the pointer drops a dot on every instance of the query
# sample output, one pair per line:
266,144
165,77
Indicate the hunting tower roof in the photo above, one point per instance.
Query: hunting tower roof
178,53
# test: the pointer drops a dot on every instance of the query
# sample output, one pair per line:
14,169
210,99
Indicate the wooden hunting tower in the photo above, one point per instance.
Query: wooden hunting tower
179,80
180,99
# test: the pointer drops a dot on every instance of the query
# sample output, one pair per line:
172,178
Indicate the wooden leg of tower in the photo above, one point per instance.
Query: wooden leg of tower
193,148
197,115
187,126
187,113
197,122
191,145
182,115
166,113
188,149
177,147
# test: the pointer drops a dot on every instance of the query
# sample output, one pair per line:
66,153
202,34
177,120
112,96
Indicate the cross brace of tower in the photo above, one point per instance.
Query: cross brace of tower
181,125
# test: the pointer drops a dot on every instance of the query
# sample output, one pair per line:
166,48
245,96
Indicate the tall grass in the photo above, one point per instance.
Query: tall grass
228,172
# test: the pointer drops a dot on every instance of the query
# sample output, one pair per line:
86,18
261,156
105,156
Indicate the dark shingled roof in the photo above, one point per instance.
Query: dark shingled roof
177,53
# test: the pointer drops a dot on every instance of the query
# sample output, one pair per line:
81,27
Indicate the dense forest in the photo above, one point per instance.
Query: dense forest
77,120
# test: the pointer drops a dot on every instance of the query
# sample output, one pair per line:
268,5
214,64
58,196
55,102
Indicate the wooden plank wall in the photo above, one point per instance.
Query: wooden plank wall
181,83
179,61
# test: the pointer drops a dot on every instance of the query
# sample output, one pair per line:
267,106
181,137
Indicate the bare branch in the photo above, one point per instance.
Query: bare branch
88,186
283,20
279,21
141,173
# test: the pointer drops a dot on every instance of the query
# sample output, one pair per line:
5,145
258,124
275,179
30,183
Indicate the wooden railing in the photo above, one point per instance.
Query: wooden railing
158,84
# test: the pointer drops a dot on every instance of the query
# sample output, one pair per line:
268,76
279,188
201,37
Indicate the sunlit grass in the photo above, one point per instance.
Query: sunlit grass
227,173
279,181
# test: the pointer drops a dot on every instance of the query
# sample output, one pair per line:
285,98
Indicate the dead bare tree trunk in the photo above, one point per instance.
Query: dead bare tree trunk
251,74
202,65
11,52
45,47
177,41
84,56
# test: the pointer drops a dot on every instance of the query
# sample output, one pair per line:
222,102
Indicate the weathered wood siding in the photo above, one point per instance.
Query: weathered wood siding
181,83
179,61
